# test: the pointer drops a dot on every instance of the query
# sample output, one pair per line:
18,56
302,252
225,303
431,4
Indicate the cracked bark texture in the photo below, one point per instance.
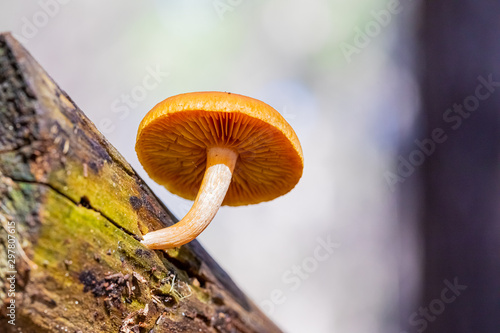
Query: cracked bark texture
79,209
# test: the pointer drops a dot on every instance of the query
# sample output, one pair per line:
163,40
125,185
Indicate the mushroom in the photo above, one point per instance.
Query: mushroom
217,148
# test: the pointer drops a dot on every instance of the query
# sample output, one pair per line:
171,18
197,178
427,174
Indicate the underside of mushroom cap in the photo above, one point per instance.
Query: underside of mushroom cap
174,137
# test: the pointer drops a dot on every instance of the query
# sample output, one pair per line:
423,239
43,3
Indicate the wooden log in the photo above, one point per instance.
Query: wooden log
72,211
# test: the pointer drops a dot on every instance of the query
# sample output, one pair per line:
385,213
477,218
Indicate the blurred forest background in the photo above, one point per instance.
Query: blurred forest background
395,224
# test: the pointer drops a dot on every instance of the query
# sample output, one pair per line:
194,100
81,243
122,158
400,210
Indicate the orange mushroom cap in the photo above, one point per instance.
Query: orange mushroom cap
173,138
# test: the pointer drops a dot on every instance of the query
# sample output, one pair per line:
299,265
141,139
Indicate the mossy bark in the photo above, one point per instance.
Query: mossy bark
72,211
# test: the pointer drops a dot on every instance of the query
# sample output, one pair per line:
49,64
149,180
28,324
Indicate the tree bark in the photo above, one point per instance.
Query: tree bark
72,211
461,178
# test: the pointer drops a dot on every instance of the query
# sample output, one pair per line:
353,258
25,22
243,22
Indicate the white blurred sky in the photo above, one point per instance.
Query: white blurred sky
349,117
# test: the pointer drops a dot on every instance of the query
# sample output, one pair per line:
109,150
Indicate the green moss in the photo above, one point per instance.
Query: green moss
12,164
76,235
202,295
107,191
72,233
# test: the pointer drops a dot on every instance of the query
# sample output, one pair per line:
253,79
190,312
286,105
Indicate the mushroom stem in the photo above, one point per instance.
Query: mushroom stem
218,174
